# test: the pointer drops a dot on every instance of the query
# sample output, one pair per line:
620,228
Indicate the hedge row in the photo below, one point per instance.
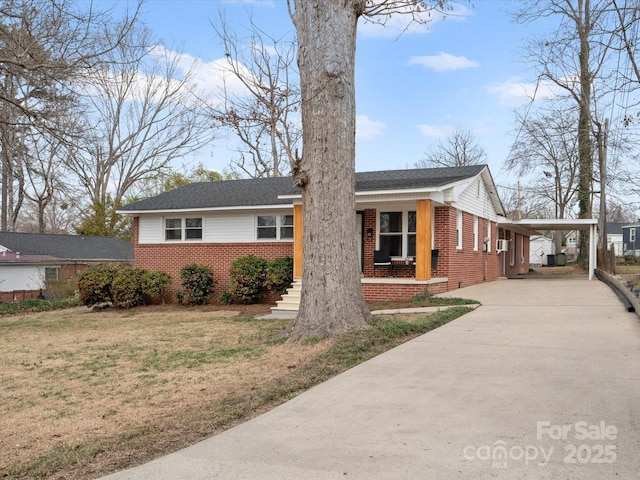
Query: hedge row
127,287
124,287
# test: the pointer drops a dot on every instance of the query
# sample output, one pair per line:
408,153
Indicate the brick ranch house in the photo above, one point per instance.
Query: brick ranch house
438,229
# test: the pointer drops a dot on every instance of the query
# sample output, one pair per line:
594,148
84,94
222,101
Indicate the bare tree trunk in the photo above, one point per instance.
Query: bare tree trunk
332,300
585,147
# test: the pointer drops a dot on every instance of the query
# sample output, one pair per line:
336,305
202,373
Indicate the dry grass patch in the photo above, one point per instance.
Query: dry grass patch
71,376
86,393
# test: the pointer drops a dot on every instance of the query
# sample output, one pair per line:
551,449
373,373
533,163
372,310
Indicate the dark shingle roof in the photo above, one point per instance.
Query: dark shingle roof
615,228
265,191
73,247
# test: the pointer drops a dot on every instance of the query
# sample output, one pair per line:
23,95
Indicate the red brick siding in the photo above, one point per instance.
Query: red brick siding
466,266
171,257
463,267
375,292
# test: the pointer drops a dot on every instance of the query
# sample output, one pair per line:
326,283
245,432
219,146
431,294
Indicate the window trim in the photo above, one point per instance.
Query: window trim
404,234
278,226
459,235
475,233
183,229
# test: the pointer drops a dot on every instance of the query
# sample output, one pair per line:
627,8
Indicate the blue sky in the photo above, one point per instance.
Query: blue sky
414,89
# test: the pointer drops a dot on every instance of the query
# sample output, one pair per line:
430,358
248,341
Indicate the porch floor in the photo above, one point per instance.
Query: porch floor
403,280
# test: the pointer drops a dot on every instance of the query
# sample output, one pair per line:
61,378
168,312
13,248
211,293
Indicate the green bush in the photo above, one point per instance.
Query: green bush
127,287
94,284
154,283
280,275
197,284
248,278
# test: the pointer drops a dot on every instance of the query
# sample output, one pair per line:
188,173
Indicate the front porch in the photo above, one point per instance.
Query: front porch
374,289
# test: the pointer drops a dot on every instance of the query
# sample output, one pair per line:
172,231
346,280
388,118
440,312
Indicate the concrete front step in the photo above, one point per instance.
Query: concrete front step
291,300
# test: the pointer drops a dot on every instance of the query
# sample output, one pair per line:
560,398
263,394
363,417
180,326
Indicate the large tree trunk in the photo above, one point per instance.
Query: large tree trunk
332,300
585,146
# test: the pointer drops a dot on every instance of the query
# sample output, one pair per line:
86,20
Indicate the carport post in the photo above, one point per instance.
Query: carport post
592,250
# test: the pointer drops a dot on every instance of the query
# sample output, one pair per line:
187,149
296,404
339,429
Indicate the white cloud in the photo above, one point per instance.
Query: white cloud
436,131
514,91
389,26
368,129
443,62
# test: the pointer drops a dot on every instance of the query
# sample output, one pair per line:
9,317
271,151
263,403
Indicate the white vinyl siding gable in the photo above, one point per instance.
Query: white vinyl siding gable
475,200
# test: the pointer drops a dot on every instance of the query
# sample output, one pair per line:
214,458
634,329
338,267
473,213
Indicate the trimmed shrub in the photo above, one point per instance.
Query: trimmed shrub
248,278
127,287
197,284
154,283
94,284
280,275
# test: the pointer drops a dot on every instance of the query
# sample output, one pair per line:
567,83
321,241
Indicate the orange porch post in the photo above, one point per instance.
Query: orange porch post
297,241
423,239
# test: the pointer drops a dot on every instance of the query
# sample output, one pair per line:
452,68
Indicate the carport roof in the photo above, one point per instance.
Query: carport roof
532,226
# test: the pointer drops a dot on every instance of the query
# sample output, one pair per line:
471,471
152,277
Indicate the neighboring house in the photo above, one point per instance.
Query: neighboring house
438,227
631,239
29,260
614,238
572,240
539,249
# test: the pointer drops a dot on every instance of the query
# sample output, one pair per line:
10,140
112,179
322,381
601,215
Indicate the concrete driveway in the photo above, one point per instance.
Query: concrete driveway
541,382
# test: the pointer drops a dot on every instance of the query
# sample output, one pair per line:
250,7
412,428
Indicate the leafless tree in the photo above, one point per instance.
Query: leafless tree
547,148
458,150
626,31
44,45
143,116
575,57
264,112
332,299
45,173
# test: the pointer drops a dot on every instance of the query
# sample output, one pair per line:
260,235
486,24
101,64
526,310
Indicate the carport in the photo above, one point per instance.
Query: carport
531,226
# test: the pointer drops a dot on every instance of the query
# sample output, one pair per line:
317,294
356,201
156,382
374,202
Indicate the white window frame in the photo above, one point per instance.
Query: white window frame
280,224
475,233
459,230
183,229
405,233
512,249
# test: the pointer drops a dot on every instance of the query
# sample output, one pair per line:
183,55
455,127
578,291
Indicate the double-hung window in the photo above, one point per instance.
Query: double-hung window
398,233
183,229
50,274
274,227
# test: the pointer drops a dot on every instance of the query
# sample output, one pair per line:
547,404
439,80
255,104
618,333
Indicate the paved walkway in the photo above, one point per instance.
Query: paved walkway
540,382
